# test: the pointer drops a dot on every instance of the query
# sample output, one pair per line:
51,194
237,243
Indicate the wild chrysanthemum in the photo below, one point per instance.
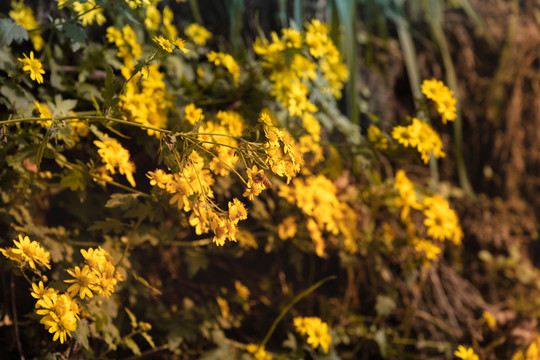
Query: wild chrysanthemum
465,353
441,221
60,314
421,136
164,43
115,156
259,353
27,251
316,331
40,292
227,61
237,211
84,282
198,34
442,96
106,276
193,114
34,67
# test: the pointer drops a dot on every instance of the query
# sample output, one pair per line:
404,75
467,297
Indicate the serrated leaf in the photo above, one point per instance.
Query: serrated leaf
11,31
109,91
134,323
122,201
81,333
107,226
76,34
74,180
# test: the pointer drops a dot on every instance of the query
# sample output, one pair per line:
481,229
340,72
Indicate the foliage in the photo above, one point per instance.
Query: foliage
177,197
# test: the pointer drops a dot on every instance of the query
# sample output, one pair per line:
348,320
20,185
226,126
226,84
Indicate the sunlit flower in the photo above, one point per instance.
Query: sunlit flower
164,43
316,331
60,314
465,353
84,282
443,97
198,34
27,251
33,67
115,156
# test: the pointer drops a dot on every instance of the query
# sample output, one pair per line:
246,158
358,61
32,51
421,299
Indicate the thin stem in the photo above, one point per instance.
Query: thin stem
15,320
290,305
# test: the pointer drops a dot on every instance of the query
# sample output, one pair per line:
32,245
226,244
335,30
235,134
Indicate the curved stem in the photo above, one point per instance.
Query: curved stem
291,304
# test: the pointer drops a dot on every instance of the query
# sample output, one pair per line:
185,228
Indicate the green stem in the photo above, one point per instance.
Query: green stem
195,10
290,305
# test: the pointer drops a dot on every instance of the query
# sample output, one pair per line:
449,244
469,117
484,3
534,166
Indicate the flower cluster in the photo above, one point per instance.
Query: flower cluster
219,58
421,136
24,16
316,197
465,353
316,331
26,251
442,96
115,156
441,222
198,34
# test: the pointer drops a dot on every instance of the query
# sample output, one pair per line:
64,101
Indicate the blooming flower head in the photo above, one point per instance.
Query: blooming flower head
442,96
259,353
60,314
24,16
27,251
198,34
237,211
33,67
465,353
164,43
441,221
84,282
316,331
40,292
115,156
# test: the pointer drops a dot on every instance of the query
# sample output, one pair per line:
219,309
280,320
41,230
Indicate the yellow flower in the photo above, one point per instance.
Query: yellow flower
227,61
27,251
443,98
193,114
41,292
164,43
223,307
421,136
99,261
24,16
465,353
115,156
237,211
84,282
258,352
60,314
441,221
287,229
490,319
316,331
89,12
181,45
242,290
198,34
33,67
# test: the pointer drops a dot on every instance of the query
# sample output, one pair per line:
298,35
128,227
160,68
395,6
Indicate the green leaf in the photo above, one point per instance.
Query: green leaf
134,323
42,146
82,332
108,225
144,282
74,180
148,339
195,260
385,305
109,91
122,201
76,34
10,30
130,344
